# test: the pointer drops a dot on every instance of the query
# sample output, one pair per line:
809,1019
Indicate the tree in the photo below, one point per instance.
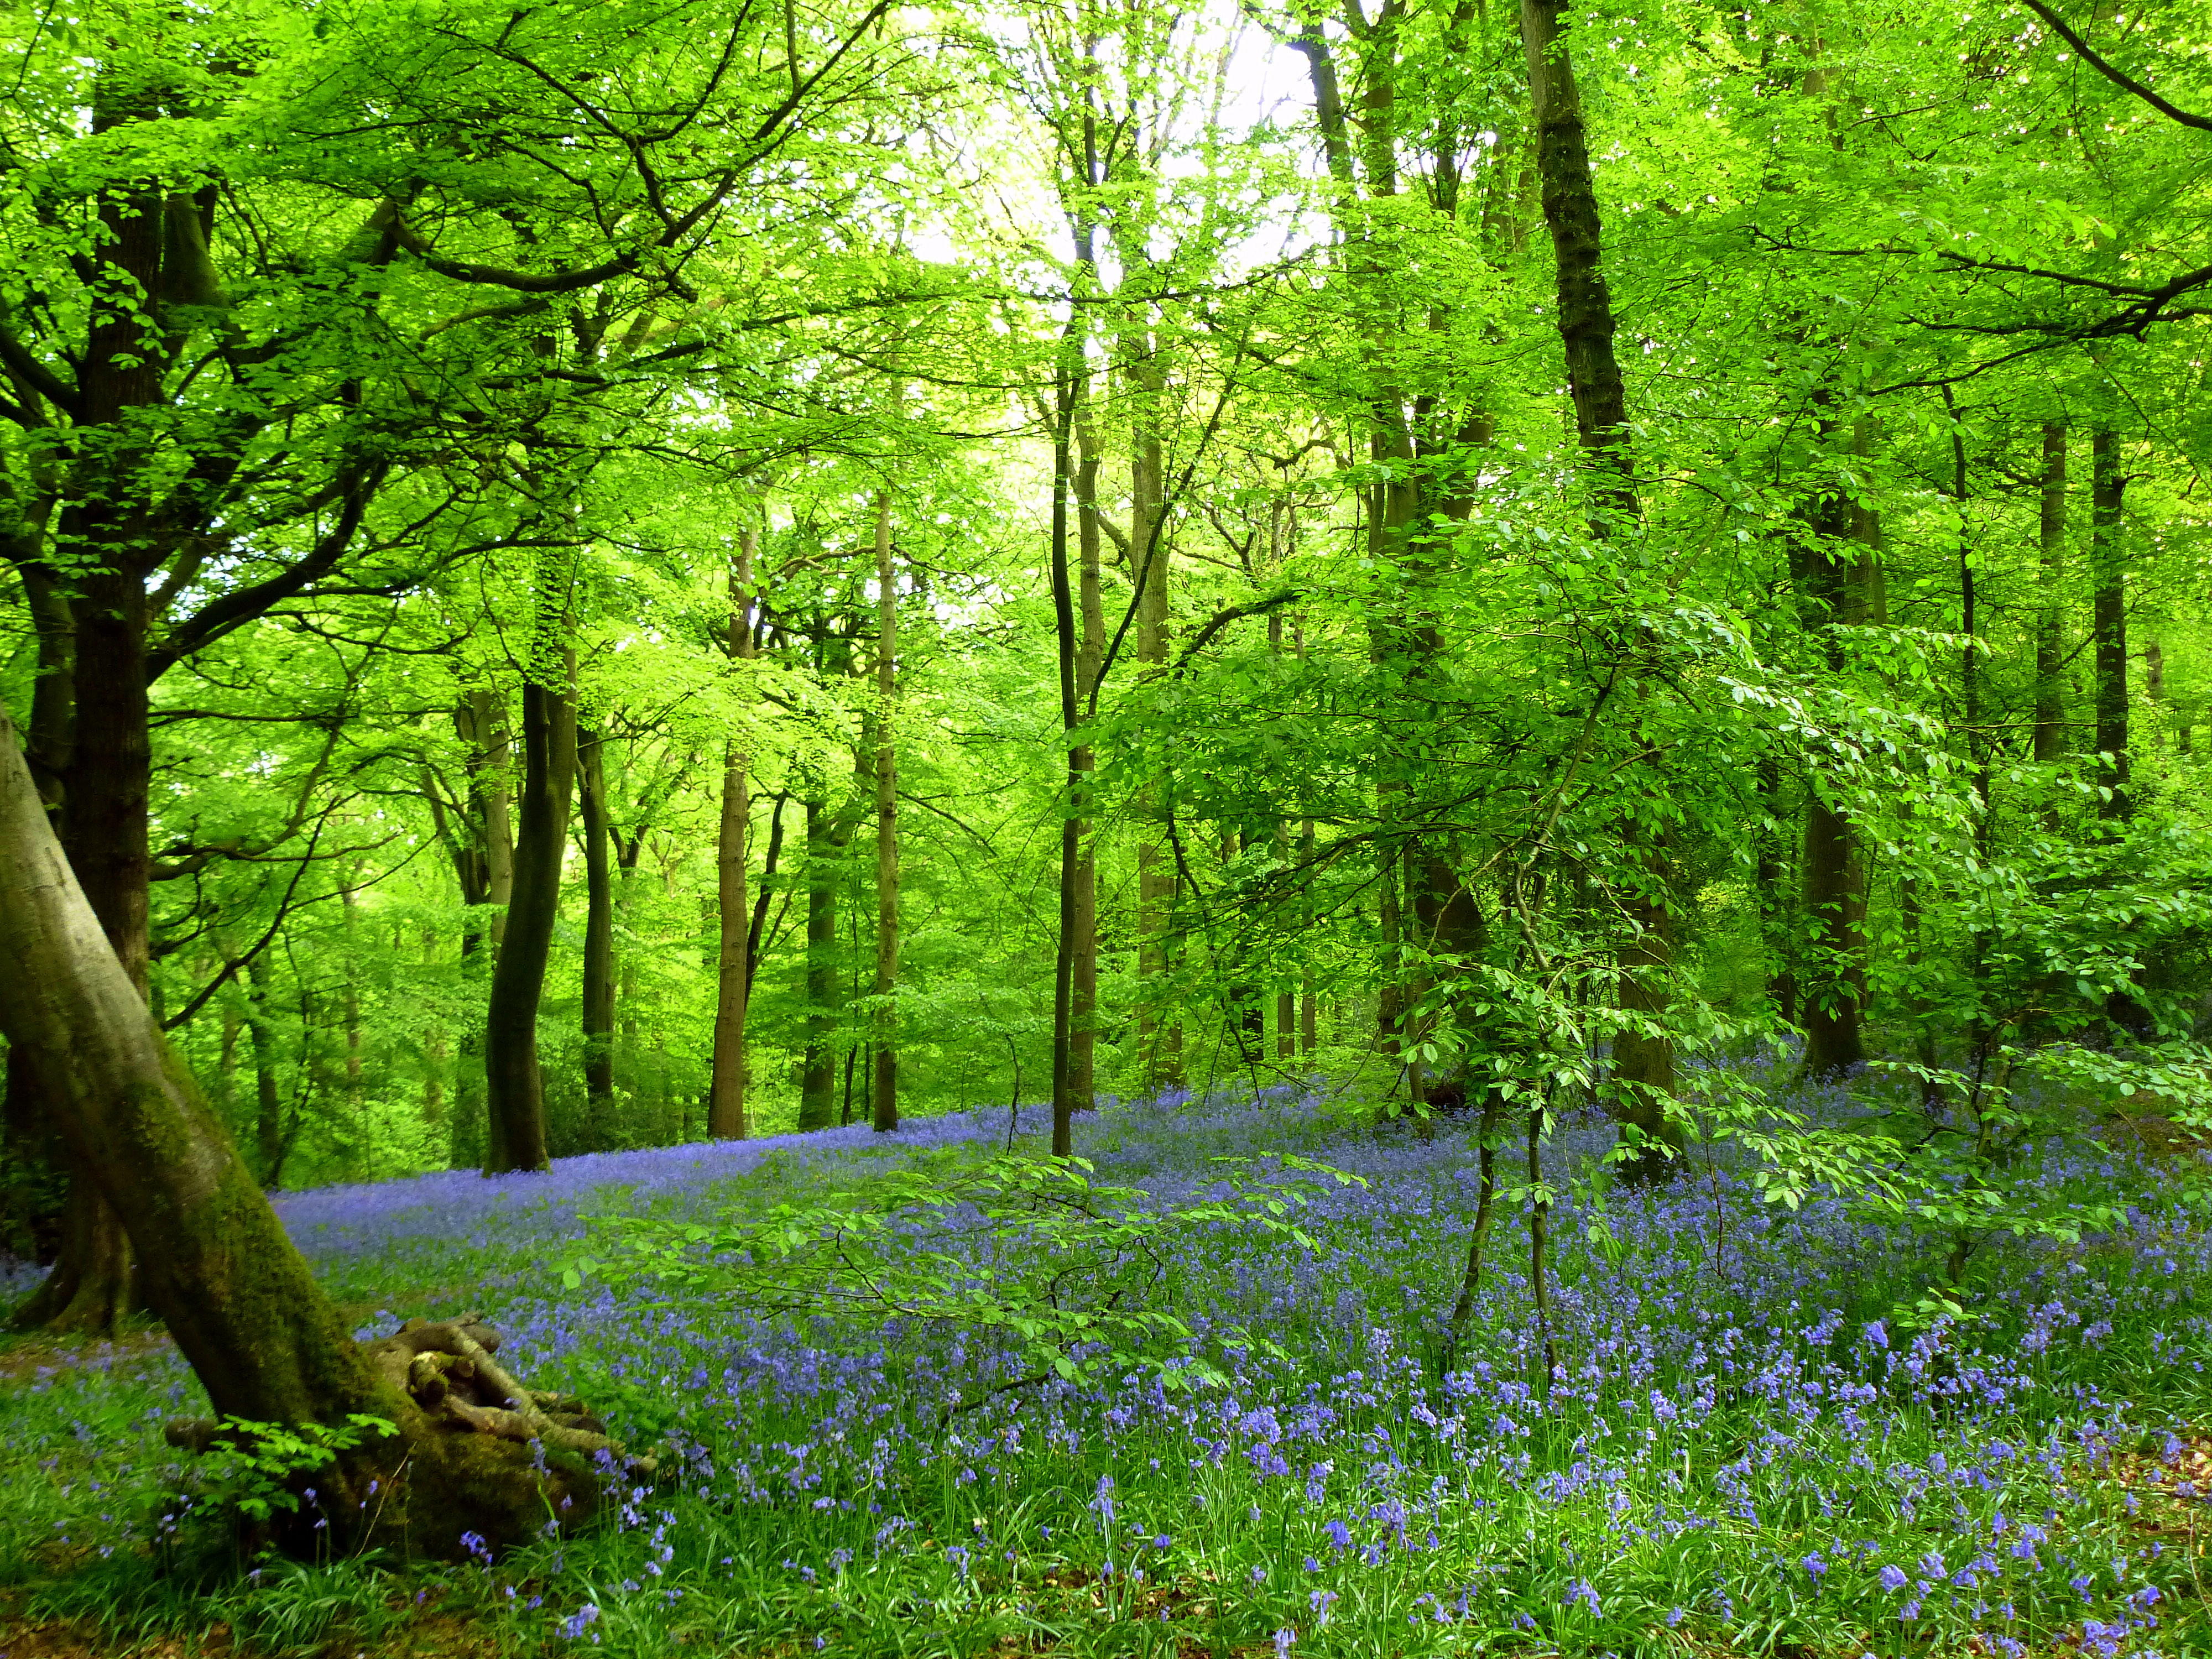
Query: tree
216,1263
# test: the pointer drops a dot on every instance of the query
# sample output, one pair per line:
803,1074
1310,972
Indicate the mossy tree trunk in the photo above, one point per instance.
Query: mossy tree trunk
515,1089
217,1265
1643,1055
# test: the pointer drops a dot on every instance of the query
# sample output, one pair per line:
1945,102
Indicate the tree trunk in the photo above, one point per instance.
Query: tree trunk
727,1116
226,1064
104,790
1642,1059
1067,389
1835,907
218,1268
756,935
484,867
599,981
2110,623
1389,927
87,1292
514,1089
817,1083
1083,1005
1837,566
883,1070
1158,1036
1308,1005
2050,727
480,720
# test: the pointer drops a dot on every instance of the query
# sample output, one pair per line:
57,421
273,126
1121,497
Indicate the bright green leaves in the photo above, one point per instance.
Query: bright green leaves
1073,1270
257,1468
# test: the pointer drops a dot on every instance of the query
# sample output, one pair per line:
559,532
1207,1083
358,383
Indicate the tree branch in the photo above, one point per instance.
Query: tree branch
2118,77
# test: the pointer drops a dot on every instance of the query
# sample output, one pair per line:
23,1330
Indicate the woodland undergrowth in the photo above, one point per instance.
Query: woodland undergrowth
1768,1431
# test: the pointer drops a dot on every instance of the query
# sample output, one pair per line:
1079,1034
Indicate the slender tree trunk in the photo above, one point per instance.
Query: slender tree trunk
1065,636
1470,1279
1286,1001
1389,919
1158,1036
757,933
514,1088
1082,1035
817,1101
883,1091
728,1118
2050,728
224,1097
484,867
1308,1003
1642,1061
350,1000
1838,566
481,722
2110,623
598,978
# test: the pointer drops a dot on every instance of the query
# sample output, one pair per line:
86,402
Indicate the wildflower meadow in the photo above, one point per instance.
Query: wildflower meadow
1764,1429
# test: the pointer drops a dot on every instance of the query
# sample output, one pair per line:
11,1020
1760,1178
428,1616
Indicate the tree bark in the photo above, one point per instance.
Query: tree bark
2109,623
817,1085
217,1267
1159,1037
2050,726
598,977
483,867
104,789
514,1088
1837,571
726,1117
883,1071
1642,1059
488,878
1066,391
1083,1005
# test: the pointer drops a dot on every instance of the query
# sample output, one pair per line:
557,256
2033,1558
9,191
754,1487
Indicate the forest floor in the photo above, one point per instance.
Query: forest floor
1763,1436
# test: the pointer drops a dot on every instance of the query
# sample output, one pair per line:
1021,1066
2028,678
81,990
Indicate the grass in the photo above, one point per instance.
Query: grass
1751,1445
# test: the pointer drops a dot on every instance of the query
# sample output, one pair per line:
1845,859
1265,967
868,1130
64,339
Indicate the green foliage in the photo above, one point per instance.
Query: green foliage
257,1470
1075,1272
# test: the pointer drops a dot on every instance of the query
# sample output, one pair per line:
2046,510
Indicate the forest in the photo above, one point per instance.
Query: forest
1081,827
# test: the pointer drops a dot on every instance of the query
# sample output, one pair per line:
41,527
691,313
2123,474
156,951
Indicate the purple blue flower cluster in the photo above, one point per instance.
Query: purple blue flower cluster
1749,1427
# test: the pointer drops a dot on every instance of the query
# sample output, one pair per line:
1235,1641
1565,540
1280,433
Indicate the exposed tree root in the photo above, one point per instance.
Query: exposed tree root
475,1452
